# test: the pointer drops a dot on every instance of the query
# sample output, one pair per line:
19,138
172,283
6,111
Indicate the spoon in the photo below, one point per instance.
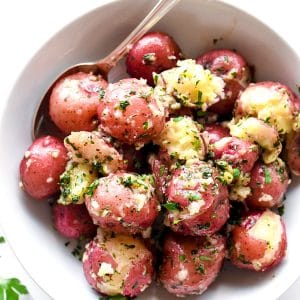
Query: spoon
42,123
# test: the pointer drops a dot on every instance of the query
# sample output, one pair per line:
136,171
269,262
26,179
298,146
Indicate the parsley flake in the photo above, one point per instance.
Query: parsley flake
267,175
171,206
2,239
123,104
236,173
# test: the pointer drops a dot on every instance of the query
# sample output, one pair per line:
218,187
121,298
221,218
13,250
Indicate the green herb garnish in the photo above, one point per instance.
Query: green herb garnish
11,289
205,258
171,206
2,239
123,104
182,257
267,175
178,119
236,173
101,93
92,187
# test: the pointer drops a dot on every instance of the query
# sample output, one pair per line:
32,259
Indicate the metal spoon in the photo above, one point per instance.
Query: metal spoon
42,123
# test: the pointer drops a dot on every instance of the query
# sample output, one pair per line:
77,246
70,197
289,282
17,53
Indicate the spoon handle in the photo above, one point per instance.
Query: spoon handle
159,10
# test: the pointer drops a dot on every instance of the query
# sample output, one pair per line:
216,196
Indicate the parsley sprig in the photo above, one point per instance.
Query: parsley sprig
12,288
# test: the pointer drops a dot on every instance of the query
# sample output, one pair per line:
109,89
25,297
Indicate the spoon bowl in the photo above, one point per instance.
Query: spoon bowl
42,123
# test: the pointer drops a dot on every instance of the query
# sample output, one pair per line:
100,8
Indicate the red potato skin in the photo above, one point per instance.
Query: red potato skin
239,153
73,221
160,165
128,124
213,133
43,163
164,53
251,248
293,152
123,217
213,213
184,252
76,110
276,188
293,100
222,63
140,274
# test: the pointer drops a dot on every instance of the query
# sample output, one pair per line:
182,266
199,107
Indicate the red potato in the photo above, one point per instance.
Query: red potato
233,69
154,52
43,163
191,264
160,165
239,153
73,221
268,184
130,113
293,152
197,202
214,132
116,264
271,102
74,102
124,203
259,242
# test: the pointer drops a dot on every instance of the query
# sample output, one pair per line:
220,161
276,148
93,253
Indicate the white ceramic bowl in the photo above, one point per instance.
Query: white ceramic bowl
194,24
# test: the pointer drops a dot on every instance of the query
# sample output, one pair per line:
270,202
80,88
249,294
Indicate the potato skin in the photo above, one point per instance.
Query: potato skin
214,132
191,264
239,153
74,101
73,221
154,52
293,152
233,69
249,250
197,202
268,184
43,163
129,112
129,262
124,203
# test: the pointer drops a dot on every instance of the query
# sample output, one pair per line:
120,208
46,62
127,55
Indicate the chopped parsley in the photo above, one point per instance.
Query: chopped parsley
281,210
171,206
155,78
161,170
267,175
178,119
199,97
200,269
92,187
12,288
101,93
146,125
201,113
205,258
234,74
236,173
182,257
2,239
193,197
123,104
149,58
127,182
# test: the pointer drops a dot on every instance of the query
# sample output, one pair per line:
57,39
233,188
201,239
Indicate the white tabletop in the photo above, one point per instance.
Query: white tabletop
26,25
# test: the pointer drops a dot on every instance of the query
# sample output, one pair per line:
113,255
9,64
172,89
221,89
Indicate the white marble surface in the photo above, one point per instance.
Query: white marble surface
26,25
